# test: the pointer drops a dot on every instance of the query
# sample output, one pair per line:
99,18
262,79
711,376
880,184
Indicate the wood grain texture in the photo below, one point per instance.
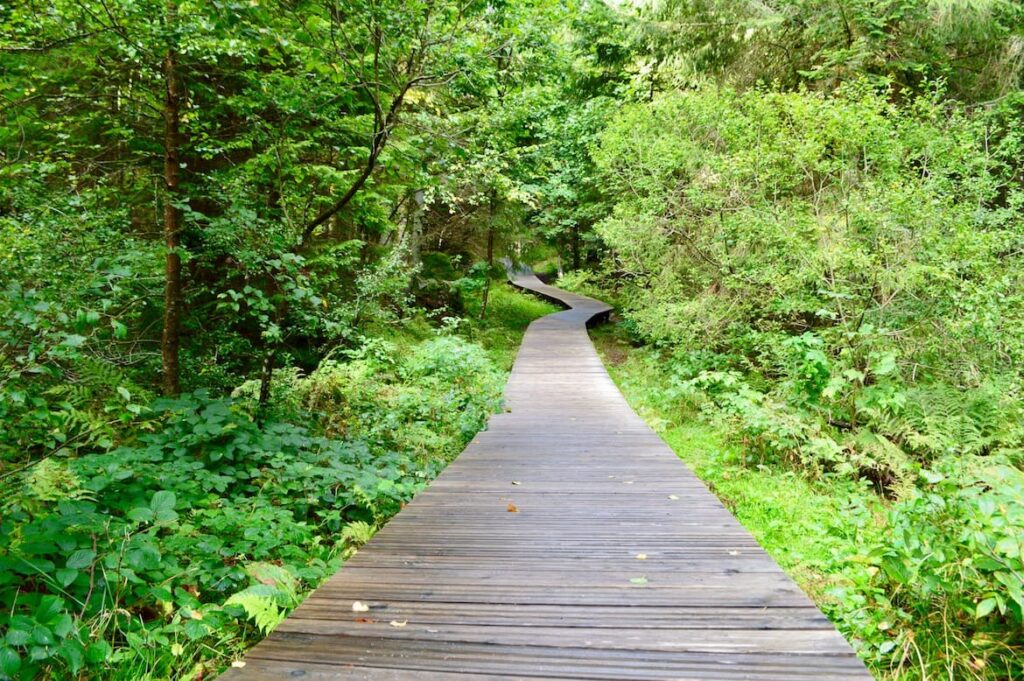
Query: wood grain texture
460,587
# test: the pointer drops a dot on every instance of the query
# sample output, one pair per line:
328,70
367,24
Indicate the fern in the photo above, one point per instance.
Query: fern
940,419
883,461
269,599
51,480
357,533
259,605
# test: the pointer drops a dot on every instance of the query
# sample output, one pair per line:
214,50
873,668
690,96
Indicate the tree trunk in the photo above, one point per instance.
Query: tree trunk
575,246
416,226
171,338
490,254
266,378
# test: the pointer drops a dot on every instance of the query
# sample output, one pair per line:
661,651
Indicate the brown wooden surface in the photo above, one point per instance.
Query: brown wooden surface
546,592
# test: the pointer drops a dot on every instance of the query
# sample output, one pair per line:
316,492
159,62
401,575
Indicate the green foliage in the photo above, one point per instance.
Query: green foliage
426,399
975,46
812,209
271,595
154,557
211,518
948,576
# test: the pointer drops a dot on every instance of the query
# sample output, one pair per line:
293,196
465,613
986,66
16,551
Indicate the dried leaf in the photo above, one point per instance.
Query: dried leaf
512,508
638,580
641,556
515,482
399,624
238,664
364,620
359,606
734,553
673,497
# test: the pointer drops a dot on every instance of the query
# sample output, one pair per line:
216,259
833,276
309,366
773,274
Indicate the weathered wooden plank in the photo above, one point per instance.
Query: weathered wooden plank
555,589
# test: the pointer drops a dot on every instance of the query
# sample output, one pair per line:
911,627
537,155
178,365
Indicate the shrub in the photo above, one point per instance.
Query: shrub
951,569
144,555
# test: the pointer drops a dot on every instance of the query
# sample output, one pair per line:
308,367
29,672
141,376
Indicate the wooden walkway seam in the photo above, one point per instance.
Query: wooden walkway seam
566,542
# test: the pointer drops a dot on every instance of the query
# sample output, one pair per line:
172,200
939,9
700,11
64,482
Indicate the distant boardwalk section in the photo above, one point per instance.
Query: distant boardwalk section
566,542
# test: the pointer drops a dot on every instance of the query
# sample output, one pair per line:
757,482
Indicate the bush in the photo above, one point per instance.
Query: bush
136,558
950,575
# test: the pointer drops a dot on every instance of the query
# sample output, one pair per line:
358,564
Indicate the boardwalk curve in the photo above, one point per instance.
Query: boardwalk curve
566,542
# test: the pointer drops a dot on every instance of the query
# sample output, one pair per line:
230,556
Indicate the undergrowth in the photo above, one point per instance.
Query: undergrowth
167,556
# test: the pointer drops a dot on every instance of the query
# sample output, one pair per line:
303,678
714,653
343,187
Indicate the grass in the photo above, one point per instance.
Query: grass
509,313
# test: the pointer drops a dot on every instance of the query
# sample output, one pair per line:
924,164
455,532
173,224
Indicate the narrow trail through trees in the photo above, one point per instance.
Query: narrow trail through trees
567,541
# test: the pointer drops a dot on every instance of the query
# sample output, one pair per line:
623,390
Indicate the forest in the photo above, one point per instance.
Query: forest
252,295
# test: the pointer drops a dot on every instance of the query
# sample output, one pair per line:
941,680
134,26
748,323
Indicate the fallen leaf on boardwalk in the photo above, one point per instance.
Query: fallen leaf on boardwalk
364,620
396,623
359,606
673,497
638,580
734,553
512,508
641,556
238,663
515,482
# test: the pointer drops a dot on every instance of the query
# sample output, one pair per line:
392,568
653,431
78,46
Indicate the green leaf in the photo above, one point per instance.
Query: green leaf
985,607
141,514
82,558
73,652
162,506
18,637
64,625
66,575
49,609
10,661
97,652
73,341
195,630
42,635
638,580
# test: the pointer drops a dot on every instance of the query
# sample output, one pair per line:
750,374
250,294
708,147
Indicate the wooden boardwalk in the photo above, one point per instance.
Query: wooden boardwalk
566,542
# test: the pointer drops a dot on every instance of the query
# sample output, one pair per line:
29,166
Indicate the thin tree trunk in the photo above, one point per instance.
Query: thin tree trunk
171,338
266,378
416,226
575,246
383,126
490,254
